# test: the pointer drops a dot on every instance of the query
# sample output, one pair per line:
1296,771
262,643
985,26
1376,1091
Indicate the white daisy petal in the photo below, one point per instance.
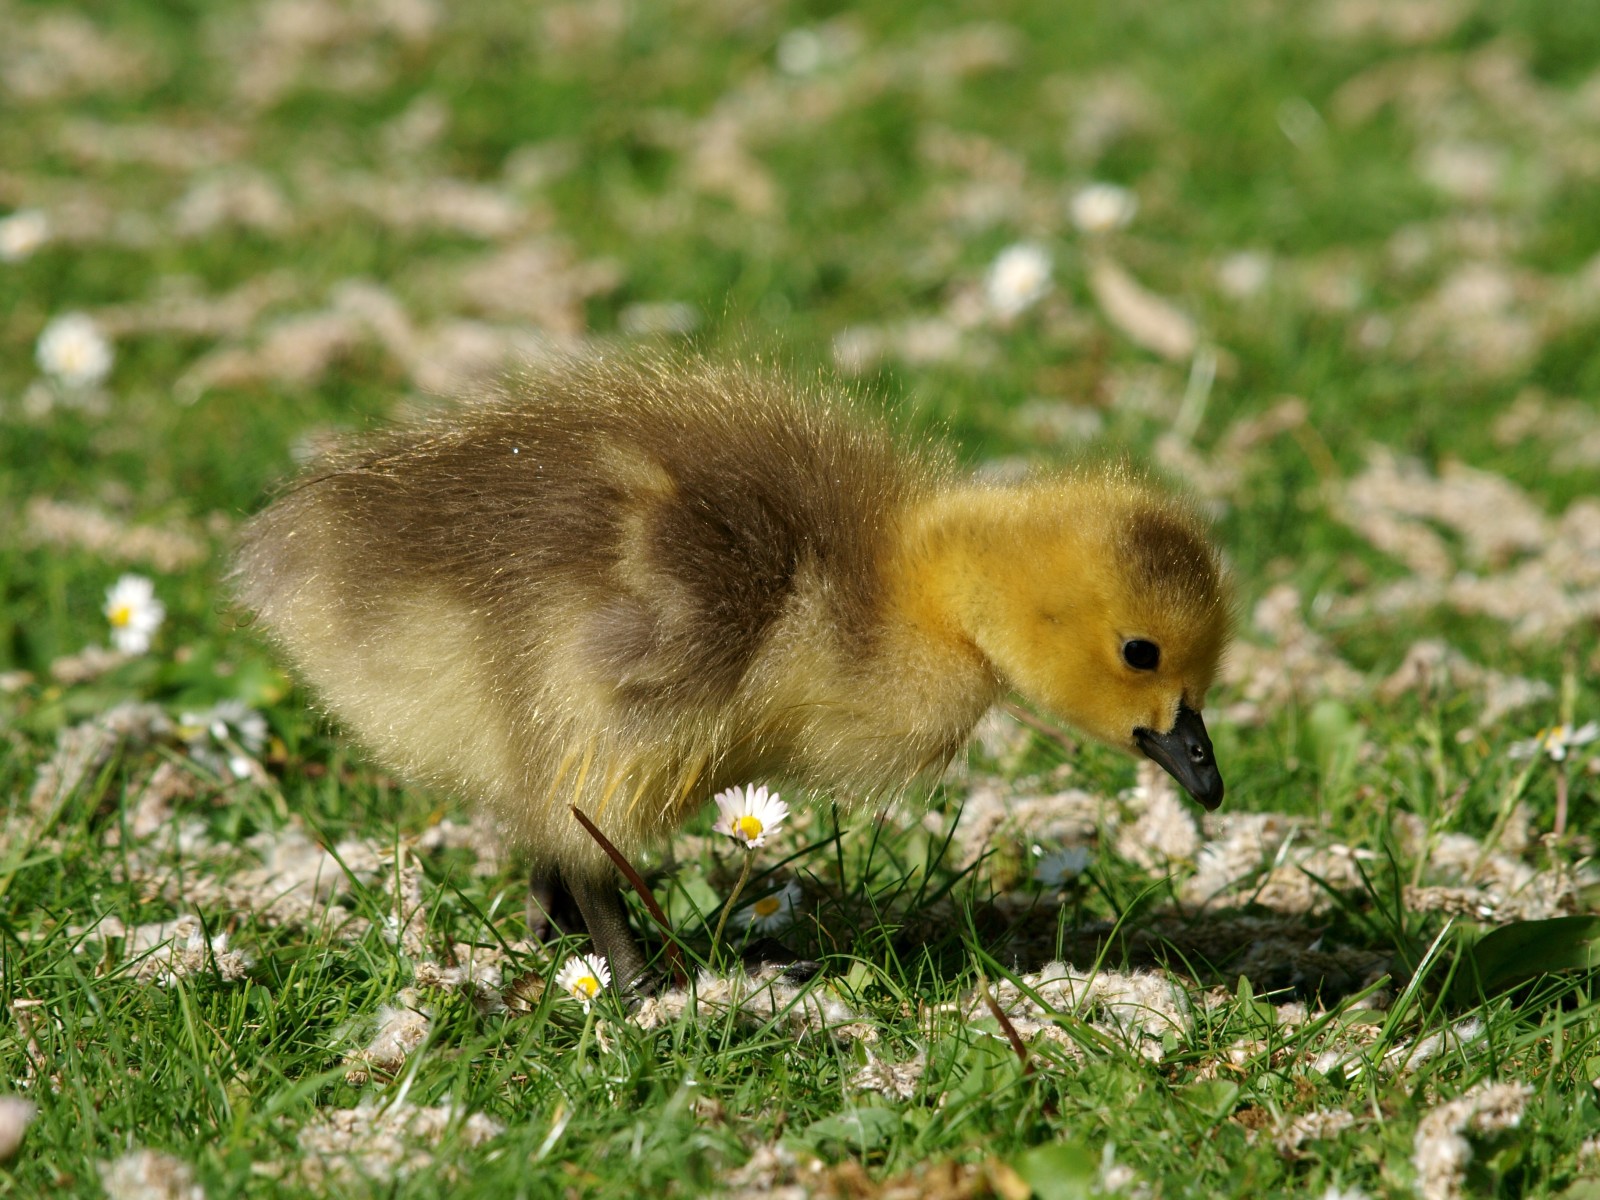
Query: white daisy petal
1555,741
1018,279
1061,866
772,913
749,814
21,233
72,350
1103,207
134,612
584,977
230,733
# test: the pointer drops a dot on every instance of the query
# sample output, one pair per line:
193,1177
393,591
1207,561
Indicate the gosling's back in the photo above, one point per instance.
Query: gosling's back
589,588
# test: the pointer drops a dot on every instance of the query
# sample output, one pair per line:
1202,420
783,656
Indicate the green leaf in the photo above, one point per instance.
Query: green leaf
857,1129
1335,737
1247,1001
1060,1171
981,1068
690,900
1212,1099
1525,950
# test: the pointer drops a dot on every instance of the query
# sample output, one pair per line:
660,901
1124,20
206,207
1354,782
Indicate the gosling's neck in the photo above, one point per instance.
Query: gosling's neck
953,574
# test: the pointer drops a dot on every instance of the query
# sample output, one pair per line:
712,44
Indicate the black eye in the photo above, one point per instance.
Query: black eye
1141,655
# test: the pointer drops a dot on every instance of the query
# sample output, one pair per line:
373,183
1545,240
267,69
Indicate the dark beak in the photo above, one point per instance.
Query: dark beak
1184,752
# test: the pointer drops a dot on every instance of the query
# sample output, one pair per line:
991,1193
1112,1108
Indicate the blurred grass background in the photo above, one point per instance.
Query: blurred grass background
297,216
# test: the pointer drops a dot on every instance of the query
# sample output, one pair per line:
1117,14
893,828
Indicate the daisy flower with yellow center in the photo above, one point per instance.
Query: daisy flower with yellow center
1556,741
1060,867
21,233
748,815
229,726
72,349
1103,208
134,612
772,913
583,978
1018,279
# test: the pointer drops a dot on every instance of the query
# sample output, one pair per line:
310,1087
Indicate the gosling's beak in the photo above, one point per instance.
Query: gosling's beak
1184,752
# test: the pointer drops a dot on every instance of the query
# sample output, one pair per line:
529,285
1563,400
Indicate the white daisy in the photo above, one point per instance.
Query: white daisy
134,612
748,814
21,233
1244,274
800,52
583,978
772,913
249,727
1061,866
16,1114
1555,741
73,350
1103,207
231,725
1018,279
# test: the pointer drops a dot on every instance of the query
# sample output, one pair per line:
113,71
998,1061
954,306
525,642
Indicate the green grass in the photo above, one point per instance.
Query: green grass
1239,128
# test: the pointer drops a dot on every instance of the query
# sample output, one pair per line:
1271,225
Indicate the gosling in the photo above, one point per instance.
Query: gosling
626,586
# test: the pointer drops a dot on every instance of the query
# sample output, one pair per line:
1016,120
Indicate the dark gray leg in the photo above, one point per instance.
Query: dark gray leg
767,954
607,920
551,911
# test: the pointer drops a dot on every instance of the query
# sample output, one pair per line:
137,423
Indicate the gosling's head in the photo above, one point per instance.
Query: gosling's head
1102,599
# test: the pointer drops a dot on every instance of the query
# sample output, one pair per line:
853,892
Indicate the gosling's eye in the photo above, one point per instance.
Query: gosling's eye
1141,655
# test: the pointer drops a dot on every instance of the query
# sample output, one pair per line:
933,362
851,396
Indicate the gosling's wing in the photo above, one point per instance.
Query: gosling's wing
650,523
745,501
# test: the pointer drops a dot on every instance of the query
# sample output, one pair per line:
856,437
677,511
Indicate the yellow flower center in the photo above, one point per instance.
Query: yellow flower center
766,906
586,987
748,827
121,615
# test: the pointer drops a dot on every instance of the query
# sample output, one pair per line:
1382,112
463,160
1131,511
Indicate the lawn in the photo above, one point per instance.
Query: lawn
1333,268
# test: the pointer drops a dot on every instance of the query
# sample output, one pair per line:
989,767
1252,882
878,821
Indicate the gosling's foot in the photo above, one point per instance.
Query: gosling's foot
549,908
769,957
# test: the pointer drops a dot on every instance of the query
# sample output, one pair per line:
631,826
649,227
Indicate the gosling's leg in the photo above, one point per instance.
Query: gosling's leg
769,956
550,909
606,918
